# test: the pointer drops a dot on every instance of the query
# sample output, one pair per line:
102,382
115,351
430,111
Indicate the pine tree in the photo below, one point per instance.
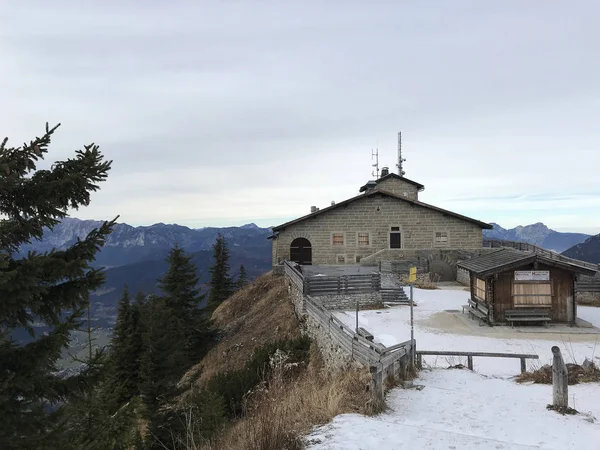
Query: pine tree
123,356
50,288
221,284
242,278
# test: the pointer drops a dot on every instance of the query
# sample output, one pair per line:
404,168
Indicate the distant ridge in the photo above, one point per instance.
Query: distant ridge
589,250
537,234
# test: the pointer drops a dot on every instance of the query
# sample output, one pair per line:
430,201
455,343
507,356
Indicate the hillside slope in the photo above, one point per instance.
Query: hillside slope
589,250
290,400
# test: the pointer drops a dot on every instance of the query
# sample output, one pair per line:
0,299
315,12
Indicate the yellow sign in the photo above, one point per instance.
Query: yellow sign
412,275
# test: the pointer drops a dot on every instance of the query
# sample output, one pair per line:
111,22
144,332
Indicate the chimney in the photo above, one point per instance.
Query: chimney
385,171
313,209
332,203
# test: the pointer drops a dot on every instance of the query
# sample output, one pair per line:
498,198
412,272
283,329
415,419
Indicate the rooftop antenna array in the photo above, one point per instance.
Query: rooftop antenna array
401,171
375,153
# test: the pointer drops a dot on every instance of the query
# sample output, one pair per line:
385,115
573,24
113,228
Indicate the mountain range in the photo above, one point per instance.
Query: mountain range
136,256
589,250
537,234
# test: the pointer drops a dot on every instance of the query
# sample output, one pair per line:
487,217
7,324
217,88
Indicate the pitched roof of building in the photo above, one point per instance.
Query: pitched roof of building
419,186
508,258
375,192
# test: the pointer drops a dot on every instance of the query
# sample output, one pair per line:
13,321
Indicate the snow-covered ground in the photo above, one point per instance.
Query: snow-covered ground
460,409
439,330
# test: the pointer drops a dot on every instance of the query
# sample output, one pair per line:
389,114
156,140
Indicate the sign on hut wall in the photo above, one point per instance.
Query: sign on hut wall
532,275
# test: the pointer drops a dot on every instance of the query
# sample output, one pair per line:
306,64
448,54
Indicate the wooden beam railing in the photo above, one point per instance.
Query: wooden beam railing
527,247
470,355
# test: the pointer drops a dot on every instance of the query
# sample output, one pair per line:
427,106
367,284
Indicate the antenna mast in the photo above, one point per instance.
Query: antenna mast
401,171
375,153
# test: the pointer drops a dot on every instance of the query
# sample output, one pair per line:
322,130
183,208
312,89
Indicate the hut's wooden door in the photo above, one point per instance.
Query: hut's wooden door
301,251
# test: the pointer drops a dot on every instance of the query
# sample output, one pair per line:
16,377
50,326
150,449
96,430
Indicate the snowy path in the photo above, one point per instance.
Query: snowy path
459,409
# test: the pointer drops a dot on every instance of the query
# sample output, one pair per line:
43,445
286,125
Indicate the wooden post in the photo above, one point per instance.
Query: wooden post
377,383
523,365
470,362
419,361
560,380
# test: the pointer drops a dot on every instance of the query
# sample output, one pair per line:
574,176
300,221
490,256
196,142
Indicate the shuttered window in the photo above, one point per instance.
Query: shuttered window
337,239
480,288
363,238
441,237
532,294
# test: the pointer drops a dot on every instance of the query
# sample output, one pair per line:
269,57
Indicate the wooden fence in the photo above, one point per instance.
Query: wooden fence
382,361
294,275
344,284
470,355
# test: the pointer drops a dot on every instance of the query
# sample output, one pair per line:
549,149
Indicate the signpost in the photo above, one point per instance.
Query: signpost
532,275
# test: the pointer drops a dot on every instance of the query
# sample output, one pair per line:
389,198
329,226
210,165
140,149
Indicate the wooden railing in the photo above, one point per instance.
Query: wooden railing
345,284
591,284
382,361
294,275
470,355
526,247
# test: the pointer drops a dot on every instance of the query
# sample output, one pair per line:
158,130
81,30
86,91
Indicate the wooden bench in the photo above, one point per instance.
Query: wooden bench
477,310
364,333
527,315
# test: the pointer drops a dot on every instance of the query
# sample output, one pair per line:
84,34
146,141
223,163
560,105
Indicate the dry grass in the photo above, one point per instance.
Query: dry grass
291,406
588,299
577,374
261,312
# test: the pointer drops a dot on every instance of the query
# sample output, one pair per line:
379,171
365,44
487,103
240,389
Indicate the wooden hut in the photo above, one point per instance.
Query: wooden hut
510,286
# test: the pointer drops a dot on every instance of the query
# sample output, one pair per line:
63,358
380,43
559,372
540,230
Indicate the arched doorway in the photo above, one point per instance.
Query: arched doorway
301,251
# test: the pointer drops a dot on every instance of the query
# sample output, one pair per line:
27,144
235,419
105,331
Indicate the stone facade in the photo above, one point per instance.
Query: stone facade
463,276
348,301
399,187
375,215
334,356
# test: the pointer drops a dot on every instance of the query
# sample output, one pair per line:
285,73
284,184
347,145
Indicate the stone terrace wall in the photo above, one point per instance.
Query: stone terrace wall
348,301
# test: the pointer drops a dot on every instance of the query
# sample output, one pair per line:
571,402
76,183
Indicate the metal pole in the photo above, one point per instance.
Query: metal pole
412,329
357,317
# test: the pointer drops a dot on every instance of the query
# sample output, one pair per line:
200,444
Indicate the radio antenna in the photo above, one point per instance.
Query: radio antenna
375,154
401,171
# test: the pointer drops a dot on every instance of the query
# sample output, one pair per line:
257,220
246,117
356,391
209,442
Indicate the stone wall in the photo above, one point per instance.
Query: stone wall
334,356
375,215
399,187
348,301
463,276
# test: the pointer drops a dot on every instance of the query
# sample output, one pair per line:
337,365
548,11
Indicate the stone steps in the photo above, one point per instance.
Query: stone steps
394,296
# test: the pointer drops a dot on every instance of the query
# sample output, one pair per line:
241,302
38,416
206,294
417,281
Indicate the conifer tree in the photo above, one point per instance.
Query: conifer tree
221,284
123,356
242,279
50,288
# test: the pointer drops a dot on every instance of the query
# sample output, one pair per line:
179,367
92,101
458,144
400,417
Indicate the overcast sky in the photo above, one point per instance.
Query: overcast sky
226,112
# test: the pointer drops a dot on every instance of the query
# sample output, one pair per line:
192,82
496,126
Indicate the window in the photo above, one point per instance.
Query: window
532,294
337,239
395,237
441,237
363,238
480,288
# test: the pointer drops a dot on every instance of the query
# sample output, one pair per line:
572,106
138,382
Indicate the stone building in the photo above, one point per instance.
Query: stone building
386,218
